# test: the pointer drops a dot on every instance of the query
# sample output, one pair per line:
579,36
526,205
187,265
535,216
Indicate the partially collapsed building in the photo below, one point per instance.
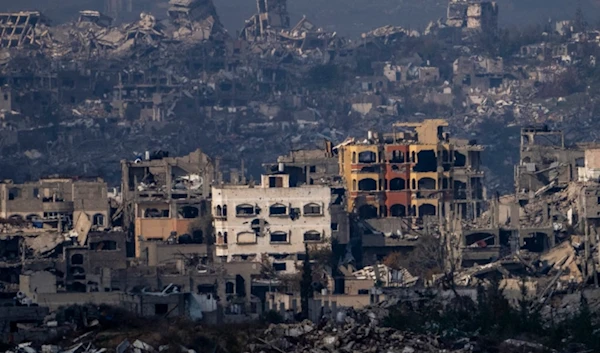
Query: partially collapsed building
412,174
167,197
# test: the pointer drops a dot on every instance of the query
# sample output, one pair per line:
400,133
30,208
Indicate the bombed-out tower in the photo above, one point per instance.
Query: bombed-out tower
273,14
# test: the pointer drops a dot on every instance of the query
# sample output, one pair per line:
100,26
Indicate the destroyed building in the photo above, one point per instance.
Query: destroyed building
412,174
545,162
271,18
473,14
274,220
56,202
167,197
20,29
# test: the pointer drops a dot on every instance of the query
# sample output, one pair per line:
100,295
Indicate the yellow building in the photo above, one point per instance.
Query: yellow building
406,173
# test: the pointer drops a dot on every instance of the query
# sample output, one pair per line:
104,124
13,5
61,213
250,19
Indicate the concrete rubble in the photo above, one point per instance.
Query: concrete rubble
352,331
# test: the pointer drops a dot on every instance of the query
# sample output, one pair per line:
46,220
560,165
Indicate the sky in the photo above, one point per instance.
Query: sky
347,17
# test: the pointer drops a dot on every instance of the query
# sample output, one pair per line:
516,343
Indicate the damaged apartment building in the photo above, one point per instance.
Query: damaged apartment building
167,198
415,173
272,222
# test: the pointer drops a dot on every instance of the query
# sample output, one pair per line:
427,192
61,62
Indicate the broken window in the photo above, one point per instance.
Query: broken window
14,193
77,272
426,210
278,210
398,211
312,235
313,169
188,212
334,227
367,157
480,240
367,185
224,210
229,288
397,184
245,210
104,245
427,162
206,289
77,259
98,219
156,213
397,157
460,160
367,212
161,309
279,266
536,242
312,209
32,217
279,237
427,184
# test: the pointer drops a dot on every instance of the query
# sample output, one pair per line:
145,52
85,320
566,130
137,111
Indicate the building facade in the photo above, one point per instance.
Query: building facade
412,173
271,222
166,196
56,200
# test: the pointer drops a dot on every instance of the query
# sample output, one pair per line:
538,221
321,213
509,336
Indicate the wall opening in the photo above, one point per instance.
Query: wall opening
427,184
480,240
279,237
98,219
278,210
536,242
426,210
367,211
427,162
398,211
367,185
367,157
460,160
77,259
188,212
397,157
245,210
161,309
312,235
397,184
312,209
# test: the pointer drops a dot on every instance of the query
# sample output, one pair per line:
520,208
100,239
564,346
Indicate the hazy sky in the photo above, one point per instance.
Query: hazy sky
348,17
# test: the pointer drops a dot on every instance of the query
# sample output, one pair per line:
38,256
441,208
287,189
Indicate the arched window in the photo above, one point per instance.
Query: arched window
367,157
77,259
353,157
224,210
312,236
219,211
245,210
312,209
279,237
354,184
397,184
367,185
278,210
98,219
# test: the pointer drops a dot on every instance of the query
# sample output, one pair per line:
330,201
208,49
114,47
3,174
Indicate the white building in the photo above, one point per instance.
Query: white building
272,220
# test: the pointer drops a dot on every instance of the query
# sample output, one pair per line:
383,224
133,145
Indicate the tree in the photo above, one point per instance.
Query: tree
306,290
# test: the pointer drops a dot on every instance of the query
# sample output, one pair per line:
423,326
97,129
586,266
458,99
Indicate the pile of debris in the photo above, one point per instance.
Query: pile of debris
353,331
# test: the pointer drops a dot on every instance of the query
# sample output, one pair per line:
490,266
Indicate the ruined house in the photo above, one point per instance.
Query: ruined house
18,29
545,162
56,202
167,197
473,14
273,221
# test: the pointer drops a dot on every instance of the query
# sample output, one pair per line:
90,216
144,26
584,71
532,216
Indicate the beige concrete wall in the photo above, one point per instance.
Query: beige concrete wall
55,300
37,283
263,198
